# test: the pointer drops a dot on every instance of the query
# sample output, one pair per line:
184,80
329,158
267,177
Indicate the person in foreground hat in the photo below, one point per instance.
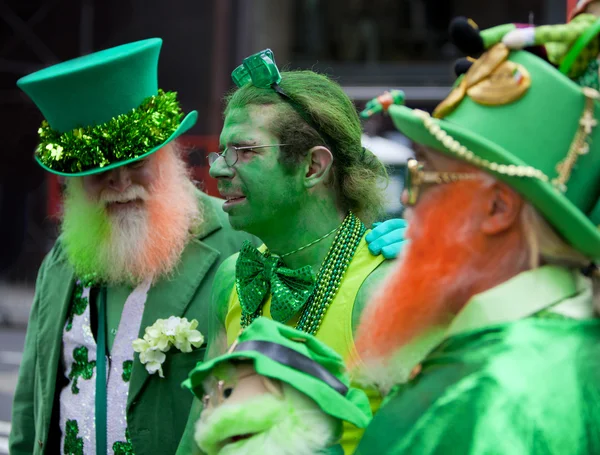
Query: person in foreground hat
277,391
138,250
501,298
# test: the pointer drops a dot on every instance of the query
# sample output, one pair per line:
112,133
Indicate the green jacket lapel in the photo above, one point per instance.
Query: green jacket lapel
54,305
171,297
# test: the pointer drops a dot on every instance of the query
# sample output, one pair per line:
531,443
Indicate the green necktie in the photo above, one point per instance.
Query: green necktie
257,274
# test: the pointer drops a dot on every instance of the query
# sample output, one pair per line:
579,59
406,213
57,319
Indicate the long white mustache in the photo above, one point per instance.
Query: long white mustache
130,194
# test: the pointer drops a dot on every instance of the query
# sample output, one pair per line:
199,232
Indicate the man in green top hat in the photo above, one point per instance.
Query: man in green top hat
139,244
277,391
510,327
137,254
294,173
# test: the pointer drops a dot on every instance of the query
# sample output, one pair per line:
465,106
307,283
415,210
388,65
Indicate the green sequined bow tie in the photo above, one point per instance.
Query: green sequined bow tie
257,274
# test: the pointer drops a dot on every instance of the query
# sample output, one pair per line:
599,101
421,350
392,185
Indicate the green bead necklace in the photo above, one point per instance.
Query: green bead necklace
330,275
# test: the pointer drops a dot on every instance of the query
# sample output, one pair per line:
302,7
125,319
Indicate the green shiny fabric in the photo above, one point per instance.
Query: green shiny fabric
260,274
525,387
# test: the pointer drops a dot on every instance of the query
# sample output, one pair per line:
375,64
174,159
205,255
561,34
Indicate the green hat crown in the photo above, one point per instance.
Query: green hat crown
104,110
298,359
517,117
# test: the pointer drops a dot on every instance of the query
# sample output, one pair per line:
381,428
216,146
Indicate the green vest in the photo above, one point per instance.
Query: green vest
336,327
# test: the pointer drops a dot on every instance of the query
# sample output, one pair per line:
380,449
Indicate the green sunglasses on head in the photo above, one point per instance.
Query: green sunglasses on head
259,69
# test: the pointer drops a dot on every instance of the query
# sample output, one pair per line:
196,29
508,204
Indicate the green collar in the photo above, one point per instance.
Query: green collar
210,218
554,289
558,289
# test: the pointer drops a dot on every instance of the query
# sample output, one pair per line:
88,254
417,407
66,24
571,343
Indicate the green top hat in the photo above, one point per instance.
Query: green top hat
104,110
298,359
520,119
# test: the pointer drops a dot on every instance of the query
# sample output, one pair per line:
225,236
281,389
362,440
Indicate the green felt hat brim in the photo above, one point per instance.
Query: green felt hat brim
188,122
564,216
350,408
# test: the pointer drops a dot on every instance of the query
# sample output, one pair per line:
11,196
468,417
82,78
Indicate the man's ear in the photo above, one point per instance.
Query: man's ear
502,208
320,160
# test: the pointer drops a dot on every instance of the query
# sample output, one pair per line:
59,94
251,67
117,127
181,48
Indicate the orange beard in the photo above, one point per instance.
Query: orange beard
172,213
135,244
431,279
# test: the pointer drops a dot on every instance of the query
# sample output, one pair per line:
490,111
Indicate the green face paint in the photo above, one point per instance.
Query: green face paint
262,196
85,224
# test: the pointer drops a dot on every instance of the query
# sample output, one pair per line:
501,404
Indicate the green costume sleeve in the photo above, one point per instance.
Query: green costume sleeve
22,436
525,387
188,445
217,343
479,420
563,33
371,285
494,35
334,450
221,291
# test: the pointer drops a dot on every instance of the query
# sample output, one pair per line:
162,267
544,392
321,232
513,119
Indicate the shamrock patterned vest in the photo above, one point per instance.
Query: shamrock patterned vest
77,399
336,327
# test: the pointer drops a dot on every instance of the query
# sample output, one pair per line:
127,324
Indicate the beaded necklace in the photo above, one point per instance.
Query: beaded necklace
314,242
330,275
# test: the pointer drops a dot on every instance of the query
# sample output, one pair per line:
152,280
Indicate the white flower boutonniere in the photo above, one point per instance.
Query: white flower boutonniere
160,336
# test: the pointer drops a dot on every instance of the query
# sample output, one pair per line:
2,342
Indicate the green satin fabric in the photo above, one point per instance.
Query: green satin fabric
525,387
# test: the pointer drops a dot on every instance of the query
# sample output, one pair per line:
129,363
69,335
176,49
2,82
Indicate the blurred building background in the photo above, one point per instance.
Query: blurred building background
368,45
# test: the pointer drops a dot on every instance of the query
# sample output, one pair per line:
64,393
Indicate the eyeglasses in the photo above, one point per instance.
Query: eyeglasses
416,177
231,153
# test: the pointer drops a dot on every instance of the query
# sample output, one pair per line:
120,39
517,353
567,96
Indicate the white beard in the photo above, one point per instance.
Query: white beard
301,427
129,234
130,244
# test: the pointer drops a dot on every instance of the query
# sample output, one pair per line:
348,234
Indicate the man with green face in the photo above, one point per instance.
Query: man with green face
294,173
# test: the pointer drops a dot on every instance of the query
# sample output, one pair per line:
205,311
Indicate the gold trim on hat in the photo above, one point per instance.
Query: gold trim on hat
467,155
580,145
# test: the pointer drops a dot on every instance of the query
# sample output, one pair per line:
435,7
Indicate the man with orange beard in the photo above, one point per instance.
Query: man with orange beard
138,251
487,329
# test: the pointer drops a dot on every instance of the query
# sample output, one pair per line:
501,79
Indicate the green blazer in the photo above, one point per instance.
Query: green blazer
157,408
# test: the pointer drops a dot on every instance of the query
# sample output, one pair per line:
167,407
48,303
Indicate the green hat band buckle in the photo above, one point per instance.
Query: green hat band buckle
123,138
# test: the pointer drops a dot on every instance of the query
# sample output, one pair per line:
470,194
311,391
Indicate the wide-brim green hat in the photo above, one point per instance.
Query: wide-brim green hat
104,110
521,120
298,359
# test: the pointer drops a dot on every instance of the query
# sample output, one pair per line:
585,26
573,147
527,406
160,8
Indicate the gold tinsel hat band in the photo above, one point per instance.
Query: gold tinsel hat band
123,138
